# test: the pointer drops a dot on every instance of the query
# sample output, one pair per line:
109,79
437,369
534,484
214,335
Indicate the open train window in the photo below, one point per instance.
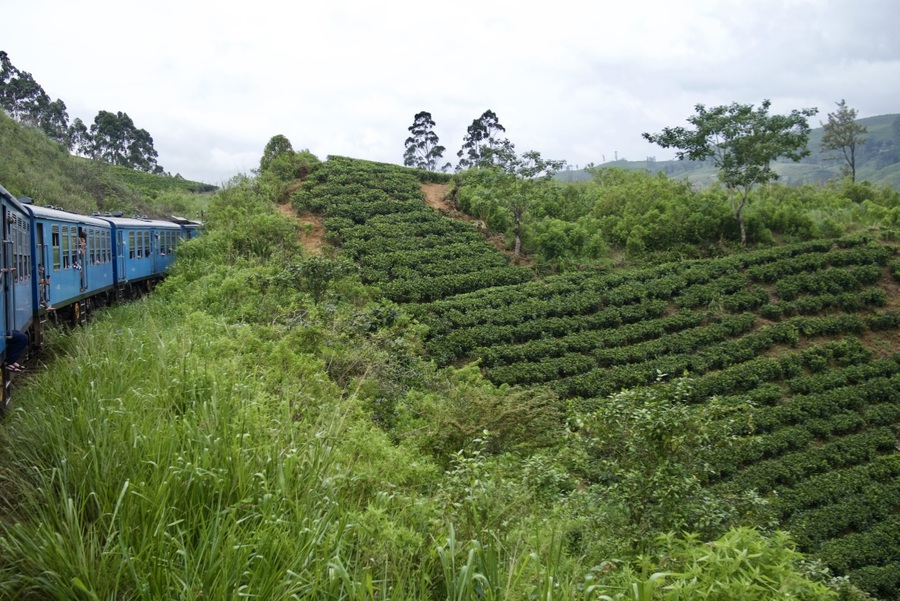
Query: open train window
54,242
66,257
131,251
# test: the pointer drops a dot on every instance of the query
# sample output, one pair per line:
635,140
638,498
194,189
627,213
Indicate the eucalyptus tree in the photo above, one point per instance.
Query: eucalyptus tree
742,142
423,150
116,140
843,133
481,144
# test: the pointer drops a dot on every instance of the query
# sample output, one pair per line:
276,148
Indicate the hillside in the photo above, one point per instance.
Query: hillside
878,160
292,415
37,167
804,337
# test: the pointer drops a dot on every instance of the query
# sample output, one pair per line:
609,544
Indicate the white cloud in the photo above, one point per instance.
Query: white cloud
213,81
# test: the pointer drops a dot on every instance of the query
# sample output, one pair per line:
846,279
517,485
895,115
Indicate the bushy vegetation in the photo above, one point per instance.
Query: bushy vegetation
652,218
266,425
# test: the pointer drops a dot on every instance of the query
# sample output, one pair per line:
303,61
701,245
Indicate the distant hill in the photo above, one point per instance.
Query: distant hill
878,160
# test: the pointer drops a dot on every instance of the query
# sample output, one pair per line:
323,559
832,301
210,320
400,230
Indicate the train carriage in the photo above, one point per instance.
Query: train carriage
54,261
189,229
16,307
145,248
73,259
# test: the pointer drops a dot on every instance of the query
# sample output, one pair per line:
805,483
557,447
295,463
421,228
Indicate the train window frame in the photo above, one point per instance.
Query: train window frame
66,255
55,245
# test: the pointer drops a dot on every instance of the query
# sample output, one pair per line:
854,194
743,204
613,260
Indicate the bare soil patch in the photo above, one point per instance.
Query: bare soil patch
312,230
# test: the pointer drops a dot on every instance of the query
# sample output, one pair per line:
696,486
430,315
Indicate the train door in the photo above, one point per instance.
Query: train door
154,247
8,276
43,274
120,252
83,257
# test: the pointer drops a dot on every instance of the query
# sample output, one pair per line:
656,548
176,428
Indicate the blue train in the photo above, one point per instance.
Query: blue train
57,264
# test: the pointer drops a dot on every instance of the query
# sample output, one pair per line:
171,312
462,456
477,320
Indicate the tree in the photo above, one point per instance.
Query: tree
54,121
509,190
422,148
21,97
480,143
116,140
277,146
645,453
79,138
529,171
843,133
742,143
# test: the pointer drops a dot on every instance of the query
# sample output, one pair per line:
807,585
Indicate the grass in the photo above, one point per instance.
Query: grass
215,440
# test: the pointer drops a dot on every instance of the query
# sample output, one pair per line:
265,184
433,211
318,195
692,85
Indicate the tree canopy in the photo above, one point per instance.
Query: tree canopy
843,133
742,143
481,146
116,140
112,137
422,148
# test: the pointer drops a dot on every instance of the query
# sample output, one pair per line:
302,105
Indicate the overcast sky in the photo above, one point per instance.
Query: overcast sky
212,82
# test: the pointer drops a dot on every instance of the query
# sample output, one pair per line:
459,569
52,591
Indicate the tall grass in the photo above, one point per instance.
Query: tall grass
146,464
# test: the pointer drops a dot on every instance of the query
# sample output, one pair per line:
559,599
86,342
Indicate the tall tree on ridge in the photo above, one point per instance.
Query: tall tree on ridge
843,133
480,142
422,148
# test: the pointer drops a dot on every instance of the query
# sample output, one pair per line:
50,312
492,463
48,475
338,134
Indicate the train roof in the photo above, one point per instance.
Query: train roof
6,193
60,215
184,221
136,222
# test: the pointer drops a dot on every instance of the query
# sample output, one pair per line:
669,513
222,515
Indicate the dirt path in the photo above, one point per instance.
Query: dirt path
312,234
436,198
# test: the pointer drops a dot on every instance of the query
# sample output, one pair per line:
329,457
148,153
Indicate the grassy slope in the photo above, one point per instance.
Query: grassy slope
217,441
800,339
40,168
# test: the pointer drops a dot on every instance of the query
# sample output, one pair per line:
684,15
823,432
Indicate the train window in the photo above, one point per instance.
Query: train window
27,234
17,250
54,242
25,250
65,247
146,244
131,251
73,244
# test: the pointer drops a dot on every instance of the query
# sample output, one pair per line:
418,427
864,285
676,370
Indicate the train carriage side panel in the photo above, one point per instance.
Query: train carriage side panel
144,248
73,257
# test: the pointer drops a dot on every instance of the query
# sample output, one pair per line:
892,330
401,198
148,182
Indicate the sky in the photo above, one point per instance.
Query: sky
213,82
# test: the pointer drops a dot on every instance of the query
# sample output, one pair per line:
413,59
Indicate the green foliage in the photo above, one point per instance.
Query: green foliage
742,564
742,143
643,453
116,140
316,274
843,133
481,147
